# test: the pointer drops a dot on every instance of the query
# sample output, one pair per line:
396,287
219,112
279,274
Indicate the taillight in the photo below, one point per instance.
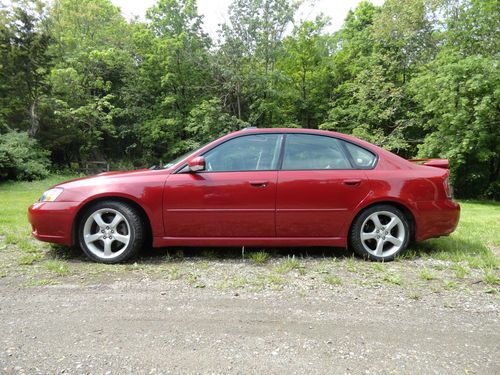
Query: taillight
448,189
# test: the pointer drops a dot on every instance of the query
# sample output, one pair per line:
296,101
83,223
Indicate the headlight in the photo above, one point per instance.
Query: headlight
51,195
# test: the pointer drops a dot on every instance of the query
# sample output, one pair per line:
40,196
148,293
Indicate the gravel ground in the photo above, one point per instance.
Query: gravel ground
230,316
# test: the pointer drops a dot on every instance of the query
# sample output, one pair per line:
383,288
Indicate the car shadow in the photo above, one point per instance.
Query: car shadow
179,254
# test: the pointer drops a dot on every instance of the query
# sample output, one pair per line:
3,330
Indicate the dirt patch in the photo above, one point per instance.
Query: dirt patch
202,315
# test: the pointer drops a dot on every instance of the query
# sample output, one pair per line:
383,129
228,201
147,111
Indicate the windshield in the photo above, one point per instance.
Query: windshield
178,159
183,156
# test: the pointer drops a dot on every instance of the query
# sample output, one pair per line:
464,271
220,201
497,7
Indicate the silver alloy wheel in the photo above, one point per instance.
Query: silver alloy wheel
382,234
106,233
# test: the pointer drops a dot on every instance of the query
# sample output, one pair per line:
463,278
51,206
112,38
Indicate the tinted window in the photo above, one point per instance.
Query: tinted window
257,152
305,151
362,158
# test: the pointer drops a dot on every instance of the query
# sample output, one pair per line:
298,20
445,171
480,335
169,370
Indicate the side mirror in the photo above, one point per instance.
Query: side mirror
197,164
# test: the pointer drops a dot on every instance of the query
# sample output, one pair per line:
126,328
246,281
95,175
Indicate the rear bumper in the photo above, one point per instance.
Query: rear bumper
53,221
436,218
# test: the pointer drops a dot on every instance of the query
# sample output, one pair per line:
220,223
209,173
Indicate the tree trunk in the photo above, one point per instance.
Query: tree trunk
35,120
238,102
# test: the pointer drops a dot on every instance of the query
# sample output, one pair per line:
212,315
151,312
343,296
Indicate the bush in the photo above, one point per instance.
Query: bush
21,158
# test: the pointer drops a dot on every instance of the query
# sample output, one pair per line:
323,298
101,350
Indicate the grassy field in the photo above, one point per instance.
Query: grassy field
472,250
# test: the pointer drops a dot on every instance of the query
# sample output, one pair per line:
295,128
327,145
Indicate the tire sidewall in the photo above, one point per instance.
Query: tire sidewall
355,236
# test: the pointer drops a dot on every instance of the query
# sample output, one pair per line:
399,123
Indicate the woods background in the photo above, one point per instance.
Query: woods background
79,82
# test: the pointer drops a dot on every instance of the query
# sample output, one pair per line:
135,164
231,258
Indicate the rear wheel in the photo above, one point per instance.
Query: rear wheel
380,233
110,232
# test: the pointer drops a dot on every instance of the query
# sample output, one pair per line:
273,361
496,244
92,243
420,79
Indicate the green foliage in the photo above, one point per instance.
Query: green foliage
21,158
418,77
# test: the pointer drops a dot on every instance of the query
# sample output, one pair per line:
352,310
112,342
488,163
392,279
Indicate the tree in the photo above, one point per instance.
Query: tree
381,49
253,42
25,63
174,72
93,62
457,95
21,158
305,64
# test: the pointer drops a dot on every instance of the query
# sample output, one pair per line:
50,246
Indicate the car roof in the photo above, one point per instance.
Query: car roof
255,130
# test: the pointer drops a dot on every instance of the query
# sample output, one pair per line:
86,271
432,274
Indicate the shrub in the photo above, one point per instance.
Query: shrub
21,158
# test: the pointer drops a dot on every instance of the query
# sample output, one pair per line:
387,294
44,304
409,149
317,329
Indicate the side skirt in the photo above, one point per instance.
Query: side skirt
249,241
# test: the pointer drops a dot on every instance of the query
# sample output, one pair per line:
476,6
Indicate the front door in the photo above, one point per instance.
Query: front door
319,186
235,196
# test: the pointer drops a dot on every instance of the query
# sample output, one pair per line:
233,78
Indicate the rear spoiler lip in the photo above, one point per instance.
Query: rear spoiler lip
438,163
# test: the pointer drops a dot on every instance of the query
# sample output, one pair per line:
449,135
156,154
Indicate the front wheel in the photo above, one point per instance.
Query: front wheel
110,232
380,233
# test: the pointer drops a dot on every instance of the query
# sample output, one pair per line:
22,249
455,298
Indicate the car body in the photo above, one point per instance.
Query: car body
280,187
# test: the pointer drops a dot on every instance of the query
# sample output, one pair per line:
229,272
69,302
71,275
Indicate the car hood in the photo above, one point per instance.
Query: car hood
110,177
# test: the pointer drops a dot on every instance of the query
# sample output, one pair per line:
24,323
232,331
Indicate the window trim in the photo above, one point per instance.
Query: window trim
282,146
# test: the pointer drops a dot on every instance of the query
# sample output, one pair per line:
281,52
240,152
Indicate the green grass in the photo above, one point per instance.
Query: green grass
58,267
460,271
41,282
259,257
333,280
477,234
15,197
427,274
174,273
490,277
415,296
322,268
287,265
28,259
392,278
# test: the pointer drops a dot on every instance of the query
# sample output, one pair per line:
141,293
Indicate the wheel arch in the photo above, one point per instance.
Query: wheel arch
405,209
115,198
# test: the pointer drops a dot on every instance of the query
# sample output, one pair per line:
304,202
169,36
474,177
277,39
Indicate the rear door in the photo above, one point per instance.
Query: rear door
234,197
319,185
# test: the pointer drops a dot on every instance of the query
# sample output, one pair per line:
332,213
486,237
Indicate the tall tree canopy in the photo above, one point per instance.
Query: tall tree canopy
79,82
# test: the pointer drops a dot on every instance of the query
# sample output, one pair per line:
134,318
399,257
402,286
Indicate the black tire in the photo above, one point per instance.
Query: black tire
356,244
135,230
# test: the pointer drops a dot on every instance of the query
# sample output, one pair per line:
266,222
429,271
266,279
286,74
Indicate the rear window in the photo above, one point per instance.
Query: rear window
362,158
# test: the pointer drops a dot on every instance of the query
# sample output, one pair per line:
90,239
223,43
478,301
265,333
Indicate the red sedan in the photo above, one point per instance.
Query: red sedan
256,187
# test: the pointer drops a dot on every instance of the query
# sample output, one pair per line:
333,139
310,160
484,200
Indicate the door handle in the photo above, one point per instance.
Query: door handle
353,182
260,184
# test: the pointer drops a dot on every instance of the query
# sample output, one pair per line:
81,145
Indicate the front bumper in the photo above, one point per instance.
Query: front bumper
53,221
436,218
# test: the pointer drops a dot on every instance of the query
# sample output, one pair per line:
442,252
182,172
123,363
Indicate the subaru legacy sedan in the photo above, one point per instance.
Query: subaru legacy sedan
256,188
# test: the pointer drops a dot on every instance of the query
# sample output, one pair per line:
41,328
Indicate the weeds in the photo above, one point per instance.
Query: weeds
40,282
379,266
392,278
426,274
460,271
29,259
449,284
287,265
489,277
333,280
259,257
174,273
323,269
416,296
58,267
